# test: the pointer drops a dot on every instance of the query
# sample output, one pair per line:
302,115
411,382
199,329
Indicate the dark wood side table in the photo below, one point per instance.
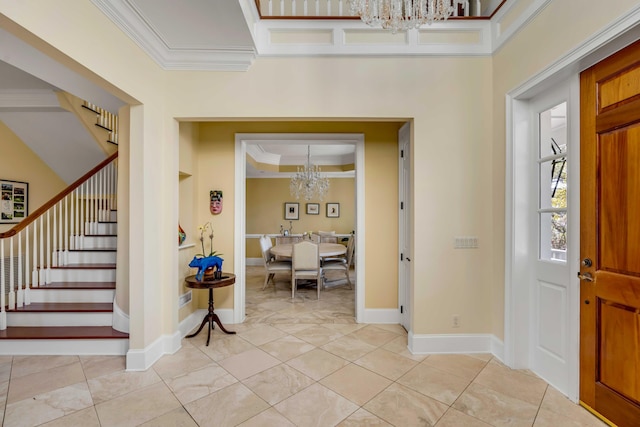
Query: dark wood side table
210,283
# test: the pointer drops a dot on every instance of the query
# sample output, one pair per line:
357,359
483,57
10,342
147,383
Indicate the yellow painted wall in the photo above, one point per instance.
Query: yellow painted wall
19,163
216,155
265,209
448,98
189,140
457,107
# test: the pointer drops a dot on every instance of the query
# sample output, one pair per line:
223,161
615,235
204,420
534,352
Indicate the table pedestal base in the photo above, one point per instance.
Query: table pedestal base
209,318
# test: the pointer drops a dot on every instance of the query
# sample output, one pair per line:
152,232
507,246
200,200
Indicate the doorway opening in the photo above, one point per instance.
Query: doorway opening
247,142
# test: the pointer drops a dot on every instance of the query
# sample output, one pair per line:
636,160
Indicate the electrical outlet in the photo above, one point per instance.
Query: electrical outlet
465,242
455,321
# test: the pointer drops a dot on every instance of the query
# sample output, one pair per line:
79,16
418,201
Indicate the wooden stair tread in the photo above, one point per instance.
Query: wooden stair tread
87,266
77,285
66,307
61,332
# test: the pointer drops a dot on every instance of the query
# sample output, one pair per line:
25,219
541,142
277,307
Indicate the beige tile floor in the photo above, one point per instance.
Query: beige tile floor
293,363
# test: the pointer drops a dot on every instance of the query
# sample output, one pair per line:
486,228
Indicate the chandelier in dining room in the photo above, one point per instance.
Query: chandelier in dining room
308,183
402,15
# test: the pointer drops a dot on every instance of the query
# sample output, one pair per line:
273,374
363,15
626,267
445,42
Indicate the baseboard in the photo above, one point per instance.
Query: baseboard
497,348
225,315
454,343
143,359
254,261
120,318
380,315
191,321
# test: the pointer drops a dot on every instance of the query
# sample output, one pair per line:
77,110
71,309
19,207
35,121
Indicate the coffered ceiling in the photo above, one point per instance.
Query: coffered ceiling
227,35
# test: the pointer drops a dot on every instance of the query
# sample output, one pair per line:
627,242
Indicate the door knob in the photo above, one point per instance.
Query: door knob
587,277
587,262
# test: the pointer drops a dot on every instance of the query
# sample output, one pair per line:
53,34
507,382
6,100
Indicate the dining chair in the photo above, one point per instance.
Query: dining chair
271,265
342,264
305,264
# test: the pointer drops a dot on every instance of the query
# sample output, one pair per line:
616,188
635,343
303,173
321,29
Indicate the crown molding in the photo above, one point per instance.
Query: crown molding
501,35
257,153
326,37
131,22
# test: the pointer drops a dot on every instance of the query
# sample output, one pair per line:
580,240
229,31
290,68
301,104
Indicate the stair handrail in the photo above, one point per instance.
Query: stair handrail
48,205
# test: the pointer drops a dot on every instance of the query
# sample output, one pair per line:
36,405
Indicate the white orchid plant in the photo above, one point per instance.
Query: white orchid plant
203,230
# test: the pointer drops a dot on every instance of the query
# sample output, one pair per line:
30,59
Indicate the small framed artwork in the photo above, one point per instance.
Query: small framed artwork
14,199
333,210
291,211
313,208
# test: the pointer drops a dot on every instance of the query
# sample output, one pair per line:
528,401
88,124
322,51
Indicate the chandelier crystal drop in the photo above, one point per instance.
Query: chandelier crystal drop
402,15
307,183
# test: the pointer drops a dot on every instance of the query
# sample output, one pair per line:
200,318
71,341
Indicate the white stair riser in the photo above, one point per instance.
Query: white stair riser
80,275
106,228
59,319
71,295
115,347
80,257
100,242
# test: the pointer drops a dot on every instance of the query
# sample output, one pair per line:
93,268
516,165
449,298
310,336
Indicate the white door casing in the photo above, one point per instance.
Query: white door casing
542,296
404,225
241,142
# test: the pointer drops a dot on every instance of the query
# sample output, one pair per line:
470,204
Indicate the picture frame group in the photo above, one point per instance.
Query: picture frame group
14,201
292,210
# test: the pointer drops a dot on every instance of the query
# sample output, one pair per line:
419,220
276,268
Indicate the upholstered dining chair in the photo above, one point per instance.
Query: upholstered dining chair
305,264
342,264
271,265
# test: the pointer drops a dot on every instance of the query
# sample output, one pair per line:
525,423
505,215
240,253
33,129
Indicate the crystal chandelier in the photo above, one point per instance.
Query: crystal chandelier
307,182
401,15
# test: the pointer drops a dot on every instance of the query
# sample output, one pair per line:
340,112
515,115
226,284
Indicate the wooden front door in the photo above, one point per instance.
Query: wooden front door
610,237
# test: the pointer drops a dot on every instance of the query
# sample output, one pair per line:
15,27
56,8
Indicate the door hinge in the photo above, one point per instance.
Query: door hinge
402,154
401,205
401,257
401,309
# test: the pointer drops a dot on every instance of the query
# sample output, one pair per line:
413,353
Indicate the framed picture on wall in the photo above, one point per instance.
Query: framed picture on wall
291,211
14,198
333,210
313,208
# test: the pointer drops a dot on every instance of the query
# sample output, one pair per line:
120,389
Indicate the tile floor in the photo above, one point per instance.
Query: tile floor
292,363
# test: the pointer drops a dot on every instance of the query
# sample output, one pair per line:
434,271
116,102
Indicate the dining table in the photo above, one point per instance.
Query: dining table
326,250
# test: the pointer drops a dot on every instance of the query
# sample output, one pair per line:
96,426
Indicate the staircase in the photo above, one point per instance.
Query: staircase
58,295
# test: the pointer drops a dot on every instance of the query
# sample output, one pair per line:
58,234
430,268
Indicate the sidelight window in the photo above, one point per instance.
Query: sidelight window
552,183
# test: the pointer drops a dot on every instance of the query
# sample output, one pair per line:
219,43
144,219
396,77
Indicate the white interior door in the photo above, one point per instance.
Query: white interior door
553,170
404,221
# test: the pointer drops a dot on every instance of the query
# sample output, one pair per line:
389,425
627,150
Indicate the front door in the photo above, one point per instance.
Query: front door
610,237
